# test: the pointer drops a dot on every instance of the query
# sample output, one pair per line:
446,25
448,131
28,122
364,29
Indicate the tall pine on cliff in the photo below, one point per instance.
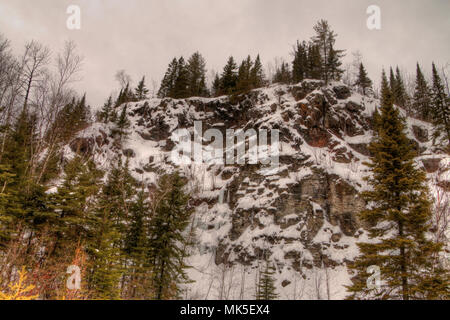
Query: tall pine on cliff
363,80
141,90
422,96
398,217
196,68
228,80
257,74
300,63
167,88
440,110
400,95
324,40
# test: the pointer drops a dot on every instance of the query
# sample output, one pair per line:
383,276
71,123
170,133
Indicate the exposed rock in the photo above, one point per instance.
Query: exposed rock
361,148
431,165
83,146
301,90
145,136
335,237
285,283
342,92
297,216
353,107
420,133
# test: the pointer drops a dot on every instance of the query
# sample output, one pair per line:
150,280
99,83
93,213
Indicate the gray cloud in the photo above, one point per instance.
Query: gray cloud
141,36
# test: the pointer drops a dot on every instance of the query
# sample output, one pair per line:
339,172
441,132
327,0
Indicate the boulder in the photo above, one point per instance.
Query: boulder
431,165
420,133
342,92
82,145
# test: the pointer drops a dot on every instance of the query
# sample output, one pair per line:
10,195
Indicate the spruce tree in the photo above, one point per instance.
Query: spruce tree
257,74
244,81
137,248
324,40
125,95
363,80
282,74
398,217
141,90
422,96
300,63
440,110
400,96
266,289
167,87
334,64
181,86
392,83
122,124
167,241
229,77
74,204
105,113
107,248
315,63
10,205
196,68
216,86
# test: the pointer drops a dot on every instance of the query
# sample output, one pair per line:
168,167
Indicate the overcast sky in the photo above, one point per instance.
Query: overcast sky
142,36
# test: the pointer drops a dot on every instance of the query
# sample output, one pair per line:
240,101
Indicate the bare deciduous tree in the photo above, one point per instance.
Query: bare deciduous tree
123,78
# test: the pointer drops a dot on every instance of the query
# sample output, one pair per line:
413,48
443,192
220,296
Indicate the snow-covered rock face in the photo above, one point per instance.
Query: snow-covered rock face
303,217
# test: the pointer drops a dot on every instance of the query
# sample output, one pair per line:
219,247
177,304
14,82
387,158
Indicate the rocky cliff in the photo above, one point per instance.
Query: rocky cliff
302,217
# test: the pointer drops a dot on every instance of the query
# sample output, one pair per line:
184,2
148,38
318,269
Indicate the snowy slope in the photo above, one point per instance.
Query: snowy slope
302,217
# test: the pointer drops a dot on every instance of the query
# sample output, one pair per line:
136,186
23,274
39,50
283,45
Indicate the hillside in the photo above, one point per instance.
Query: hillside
303,214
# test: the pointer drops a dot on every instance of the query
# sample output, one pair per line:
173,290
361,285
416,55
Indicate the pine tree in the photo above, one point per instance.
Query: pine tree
363,80
181,86
324,40
315,63
125,95
257,74
105,113
216,86
334,63
282,74
392,82
244,81
137,249
400,96
74,204
300,63
167,242
167,88
122,124
229,77
141,90
422,96
196,68
107,247
266,289
398,216
440,109
73,117
10,205
31,209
